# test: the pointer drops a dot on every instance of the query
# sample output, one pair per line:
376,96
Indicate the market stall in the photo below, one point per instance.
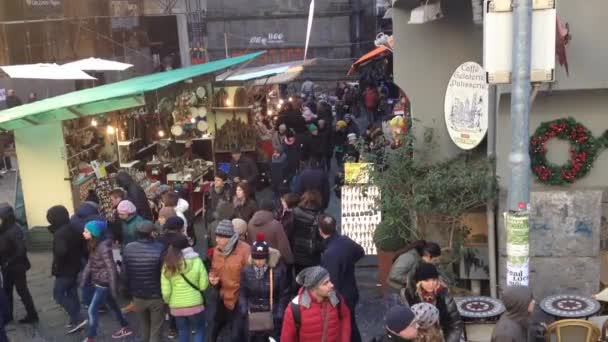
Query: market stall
155,127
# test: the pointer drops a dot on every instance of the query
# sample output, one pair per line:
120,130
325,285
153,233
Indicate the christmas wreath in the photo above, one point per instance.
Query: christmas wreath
583,151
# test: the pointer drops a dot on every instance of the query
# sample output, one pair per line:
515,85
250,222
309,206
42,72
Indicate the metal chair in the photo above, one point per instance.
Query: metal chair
570,330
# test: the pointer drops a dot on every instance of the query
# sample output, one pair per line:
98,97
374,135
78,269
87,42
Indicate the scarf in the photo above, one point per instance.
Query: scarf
238,202
427,297
230,245
260,271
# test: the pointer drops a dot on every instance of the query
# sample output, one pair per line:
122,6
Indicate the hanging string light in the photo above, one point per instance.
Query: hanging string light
110,129
93,122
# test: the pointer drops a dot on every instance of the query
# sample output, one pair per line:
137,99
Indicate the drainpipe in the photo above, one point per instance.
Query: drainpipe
491,205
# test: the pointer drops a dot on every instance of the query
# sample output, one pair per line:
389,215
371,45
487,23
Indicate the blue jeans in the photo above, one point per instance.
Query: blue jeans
103,295
87,292
65,293
187,323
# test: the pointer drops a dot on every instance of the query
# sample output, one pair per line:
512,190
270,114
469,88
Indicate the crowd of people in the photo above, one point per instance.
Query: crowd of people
269,269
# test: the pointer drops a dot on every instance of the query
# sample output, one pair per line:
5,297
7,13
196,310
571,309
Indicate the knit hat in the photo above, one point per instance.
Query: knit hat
425,271
174,223
167,213
398,318
312,128
341,124
146,227
260,249
312,277
427,315
240,226
126,207
225,228
96,228
352,137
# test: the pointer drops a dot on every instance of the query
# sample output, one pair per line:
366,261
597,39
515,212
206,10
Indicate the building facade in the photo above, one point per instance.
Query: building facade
569,222
341,28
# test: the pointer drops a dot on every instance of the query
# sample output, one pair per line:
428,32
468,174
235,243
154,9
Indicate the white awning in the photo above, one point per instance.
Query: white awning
45,72
98,64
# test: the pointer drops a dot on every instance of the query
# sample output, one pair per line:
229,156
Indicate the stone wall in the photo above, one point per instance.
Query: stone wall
565,230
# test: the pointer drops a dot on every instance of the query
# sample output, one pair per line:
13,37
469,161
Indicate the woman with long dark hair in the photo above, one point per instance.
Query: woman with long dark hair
411,256
183,278
244,204
306,243
102,273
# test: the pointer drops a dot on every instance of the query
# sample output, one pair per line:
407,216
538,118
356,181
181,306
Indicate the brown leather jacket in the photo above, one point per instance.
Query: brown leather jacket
229,268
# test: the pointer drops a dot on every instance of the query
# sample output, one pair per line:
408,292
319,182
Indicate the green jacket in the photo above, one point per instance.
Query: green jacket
176,291
403,269
129,229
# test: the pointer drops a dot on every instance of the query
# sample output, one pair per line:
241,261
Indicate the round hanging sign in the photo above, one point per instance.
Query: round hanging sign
202,126
177,130
466,106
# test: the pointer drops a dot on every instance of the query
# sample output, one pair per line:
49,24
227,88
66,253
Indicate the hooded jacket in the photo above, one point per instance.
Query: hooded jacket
513,324
255,293
13,253
176,291
229,269
403,269
68,244
135,194
143,260
264,222
87,211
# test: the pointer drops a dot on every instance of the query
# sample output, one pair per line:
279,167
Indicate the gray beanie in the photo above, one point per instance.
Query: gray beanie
312,277
225,228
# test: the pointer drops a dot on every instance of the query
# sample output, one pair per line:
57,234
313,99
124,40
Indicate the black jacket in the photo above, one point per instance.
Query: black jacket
245,169
449,317
135,194
306,243
87,211
68,244
143,263
13,253
314,178
255,293
314,147
339,258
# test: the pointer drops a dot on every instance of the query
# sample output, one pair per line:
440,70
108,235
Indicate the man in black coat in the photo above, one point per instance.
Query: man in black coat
314,178
242,168
339,258
143,262
135,194
14,263
68,251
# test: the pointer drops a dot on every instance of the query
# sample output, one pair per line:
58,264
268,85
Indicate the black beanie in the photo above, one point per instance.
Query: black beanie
425,271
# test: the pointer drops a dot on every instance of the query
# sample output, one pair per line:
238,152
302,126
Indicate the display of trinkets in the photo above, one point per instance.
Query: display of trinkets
235,133
103,187
360,216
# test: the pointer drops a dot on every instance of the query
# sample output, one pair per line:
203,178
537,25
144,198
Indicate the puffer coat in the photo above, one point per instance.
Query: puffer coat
255,293
101,268
143,262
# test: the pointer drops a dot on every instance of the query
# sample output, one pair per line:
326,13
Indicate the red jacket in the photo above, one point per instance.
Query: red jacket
312,319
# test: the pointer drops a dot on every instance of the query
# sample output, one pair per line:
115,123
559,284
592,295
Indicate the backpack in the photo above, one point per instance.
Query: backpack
297,315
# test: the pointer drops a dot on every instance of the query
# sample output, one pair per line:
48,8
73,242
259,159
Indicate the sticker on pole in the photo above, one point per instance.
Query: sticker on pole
466,106
517,227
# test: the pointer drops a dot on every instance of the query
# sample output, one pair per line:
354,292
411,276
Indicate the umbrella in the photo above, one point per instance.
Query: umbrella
98,64
45,72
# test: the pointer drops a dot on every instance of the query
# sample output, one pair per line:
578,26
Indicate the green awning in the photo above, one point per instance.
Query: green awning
107,98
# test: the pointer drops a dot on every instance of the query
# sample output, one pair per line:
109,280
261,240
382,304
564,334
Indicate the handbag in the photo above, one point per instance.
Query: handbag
192,285
262,321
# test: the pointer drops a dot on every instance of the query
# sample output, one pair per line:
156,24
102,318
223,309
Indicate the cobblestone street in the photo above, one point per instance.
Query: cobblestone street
52,319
